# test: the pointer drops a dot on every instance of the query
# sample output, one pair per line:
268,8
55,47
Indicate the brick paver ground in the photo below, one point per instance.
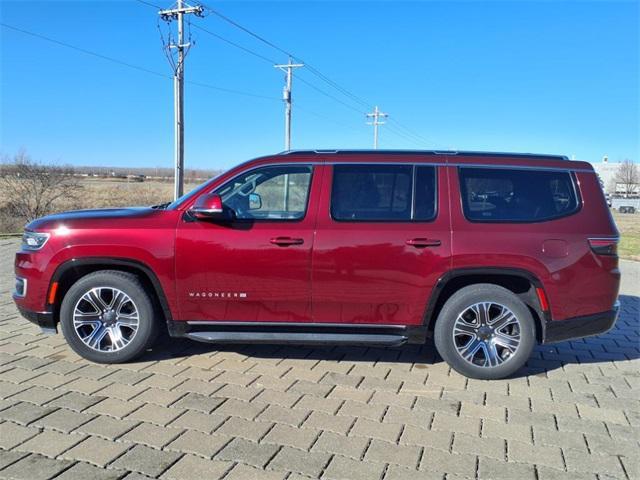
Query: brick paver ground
194,411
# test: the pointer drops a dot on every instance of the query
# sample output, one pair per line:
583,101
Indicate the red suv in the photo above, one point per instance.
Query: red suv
488,253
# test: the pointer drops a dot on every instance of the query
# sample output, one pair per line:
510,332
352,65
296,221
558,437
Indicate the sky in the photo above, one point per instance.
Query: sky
543,77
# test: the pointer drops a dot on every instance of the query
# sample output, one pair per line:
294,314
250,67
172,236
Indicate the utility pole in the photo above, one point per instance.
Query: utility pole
178,14
376,115
286,96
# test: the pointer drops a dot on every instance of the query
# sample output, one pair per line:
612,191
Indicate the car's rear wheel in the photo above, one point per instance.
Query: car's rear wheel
484,331
108,317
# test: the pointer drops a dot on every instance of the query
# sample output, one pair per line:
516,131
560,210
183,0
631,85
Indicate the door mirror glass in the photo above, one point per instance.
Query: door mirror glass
255,201
207,207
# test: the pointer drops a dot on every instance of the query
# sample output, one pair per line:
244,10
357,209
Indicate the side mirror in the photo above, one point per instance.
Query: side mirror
255,201
208,207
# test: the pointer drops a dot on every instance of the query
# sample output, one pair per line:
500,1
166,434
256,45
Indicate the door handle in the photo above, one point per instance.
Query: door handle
423,242
286,241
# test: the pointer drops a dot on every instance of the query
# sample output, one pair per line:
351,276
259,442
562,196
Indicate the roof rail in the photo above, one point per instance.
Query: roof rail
423,152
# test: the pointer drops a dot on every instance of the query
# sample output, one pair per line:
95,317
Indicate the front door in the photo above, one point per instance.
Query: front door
383,241
255,268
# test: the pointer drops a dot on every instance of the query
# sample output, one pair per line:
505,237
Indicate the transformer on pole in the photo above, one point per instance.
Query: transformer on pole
286,97
181,47
376,115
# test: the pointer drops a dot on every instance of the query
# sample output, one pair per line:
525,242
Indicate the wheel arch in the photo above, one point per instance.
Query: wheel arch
72,270
519,281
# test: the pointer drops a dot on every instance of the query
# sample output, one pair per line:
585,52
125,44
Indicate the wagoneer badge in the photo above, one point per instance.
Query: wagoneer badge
218,294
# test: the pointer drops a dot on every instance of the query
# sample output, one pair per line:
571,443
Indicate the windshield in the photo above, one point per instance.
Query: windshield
179,201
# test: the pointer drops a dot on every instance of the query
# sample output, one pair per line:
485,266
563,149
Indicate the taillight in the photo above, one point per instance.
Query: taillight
604,246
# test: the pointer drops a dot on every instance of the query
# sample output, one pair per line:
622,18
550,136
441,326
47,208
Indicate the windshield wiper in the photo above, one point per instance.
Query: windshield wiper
161,206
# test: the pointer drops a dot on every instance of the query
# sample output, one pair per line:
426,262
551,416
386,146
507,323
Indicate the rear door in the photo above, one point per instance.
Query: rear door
382,241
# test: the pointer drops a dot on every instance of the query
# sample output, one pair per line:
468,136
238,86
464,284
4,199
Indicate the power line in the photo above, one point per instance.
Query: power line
323,117
326,94
246,30
344,91
150,4
311,68
197,83
268,60
410,132
261,57
133,66
392,129
400,129
272,62
230,90
85,51
234,44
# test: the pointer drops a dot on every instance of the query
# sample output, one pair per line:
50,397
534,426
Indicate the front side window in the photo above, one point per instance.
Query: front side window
516,195
268,193
383,193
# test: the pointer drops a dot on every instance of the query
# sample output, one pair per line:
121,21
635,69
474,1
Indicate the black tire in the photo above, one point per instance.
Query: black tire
464,299
128,283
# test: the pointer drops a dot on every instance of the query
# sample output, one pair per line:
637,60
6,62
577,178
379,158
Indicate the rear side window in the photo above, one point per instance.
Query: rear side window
392,193
516,195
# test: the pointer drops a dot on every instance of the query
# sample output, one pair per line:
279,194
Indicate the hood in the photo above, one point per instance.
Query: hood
80,218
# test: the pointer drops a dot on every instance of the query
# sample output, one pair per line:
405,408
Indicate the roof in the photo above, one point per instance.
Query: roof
426,152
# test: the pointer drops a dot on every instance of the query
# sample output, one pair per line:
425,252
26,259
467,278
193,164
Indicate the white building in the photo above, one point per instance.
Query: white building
607,172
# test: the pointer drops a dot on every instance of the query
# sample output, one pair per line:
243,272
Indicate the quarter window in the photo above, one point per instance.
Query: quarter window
516,195
269,193
383,193
425,194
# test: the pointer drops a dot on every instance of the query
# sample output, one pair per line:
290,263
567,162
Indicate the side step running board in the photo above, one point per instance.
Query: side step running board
388,340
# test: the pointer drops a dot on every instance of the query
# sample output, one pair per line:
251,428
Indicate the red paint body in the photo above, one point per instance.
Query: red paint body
343,272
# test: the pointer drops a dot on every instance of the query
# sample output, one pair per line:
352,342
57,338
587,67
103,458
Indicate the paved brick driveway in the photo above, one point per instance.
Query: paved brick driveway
195,412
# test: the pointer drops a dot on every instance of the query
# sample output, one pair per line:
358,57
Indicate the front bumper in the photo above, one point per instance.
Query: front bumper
44,320
580,327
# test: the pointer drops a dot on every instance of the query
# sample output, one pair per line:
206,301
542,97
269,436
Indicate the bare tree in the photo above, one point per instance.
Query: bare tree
628,176
33,189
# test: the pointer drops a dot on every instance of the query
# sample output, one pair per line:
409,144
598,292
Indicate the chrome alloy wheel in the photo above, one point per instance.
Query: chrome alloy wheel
486,334
106,319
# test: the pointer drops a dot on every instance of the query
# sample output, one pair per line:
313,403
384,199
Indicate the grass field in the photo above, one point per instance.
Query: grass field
629,227
104,193
101,193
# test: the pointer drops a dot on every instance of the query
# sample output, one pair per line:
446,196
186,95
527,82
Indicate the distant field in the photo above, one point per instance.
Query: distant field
101,192
629,227
105,192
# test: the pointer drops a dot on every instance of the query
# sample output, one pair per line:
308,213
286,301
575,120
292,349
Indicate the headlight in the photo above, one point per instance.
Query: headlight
34,240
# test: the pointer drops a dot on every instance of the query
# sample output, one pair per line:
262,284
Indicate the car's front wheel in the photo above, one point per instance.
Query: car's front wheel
108,317
485,331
